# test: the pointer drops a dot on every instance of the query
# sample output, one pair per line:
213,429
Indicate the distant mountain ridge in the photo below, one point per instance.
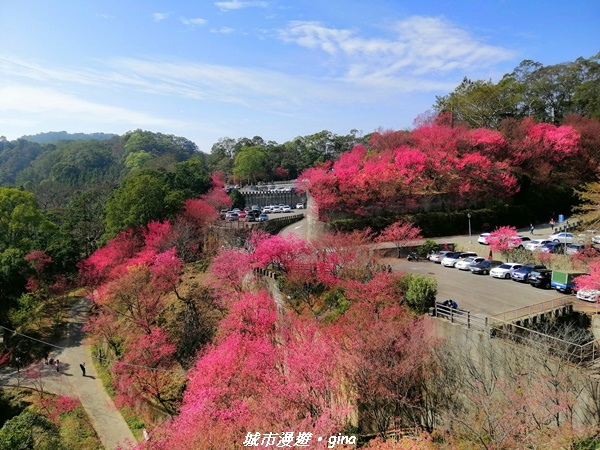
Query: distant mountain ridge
57,136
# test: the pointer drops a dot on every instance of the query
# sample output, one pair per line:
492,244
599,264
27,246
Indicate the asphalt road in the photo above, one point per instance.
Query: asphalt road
480,294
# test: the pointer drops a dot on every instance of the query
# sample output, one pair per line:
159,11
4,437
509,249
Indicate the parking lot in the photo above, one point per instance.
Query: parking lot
480,294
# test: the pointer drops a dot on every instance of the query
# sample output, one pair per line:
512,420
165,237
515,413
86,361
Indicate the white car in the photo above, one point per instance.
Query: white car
437,257
276,209
563,238
482,239
588,295
505,270
464,264
299,205
286,209
536,244
452,258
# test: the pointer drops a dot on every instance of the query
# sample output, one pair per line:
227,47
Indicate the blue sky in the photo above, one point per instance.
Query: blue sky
272,68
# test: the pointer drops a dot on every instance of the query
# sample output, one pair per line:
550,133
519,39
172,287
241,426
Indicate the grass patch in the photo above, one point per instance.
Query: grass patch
76,431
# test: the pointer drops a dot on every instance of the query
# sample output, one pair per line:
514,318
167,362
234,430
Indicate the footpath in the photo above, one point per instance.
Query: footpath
69,380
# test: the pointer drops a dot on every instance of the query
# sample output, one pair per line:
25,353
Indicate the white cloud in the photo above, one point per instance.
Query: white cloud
193,22
237,4
223,30
419,46
35,102
159,17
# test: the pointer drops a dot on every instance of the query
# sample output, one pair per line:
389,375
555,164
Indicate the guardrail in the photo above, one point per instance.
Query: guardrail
533,310
504,326
460,316
579,354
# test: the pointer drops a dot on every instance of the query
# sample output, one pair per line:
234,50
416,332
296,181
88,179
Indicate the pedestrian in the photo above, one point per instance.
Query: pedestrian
57,365
18,361
552,224
531,228
82,366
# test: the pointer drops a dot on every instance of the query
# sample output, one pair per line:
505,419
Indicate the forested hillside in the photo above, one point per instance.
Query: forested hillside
208,352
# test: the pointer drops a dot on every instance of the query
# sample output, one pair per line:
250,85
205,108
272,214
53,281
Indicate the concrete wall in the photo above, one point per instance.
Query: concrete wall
479,345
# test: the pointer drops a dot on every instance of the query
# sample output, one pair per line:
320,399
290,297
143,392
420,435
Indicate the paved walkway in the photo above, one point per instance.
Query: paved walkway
104,416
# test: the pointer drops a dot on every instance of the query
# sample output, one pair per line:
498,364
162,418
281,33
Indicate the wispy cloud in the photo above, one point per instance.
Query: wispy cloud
238,4
223,30
254,88
197,21
159,17
39,102
419,46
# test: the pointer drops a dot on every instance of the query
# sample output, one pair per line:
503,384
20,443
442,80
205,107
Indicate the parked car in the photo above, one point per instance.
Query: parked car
464,264
452,258
484,267
572,249
276,210
522,274
482,239
286,209
262,218
299,205
563,238
242,214
551,247
540,278
505,270
437,257
536,244
596,239
267,209
232,216
588,295
523,240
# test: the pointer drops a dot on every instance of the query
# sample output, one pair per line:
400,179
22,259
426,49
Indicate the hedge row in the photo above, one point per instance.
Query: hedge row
435,224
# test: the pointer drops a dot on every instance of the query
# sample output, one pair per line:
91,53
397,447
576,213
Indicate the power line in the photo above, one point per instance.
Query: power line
114,361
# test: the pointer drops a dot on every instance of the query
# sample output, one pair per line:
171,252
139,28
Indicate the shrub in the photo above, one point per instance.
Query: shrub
419,291
427,247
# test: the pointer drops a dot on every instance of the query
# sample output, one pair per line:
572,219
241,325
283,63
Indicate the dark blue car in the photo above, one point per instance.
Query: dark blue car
522,274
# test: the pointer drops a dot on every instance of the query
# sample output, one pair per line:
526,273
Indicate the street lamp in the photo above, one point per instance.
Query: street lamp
469,217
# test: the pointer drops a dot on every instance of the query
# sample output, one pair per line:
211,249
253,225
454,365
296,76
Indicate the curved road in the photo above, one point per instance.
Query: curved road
72,351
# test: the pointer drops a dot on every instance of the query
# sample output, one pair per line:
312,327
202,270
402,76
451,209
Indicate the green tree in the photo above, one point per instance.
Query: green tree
481,104
139,200
191,177
21,221
237,198
250,164
29,430
586,98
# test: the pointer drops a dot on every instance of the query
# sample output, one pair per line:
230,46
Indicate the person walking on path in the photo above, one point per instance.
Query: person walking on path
531,228
552,224
82,366
57,365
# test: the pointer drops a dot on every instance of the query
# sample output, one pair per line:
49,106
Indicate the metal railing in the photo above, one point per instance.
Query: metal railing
532,310
460,316
579,354
503,326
